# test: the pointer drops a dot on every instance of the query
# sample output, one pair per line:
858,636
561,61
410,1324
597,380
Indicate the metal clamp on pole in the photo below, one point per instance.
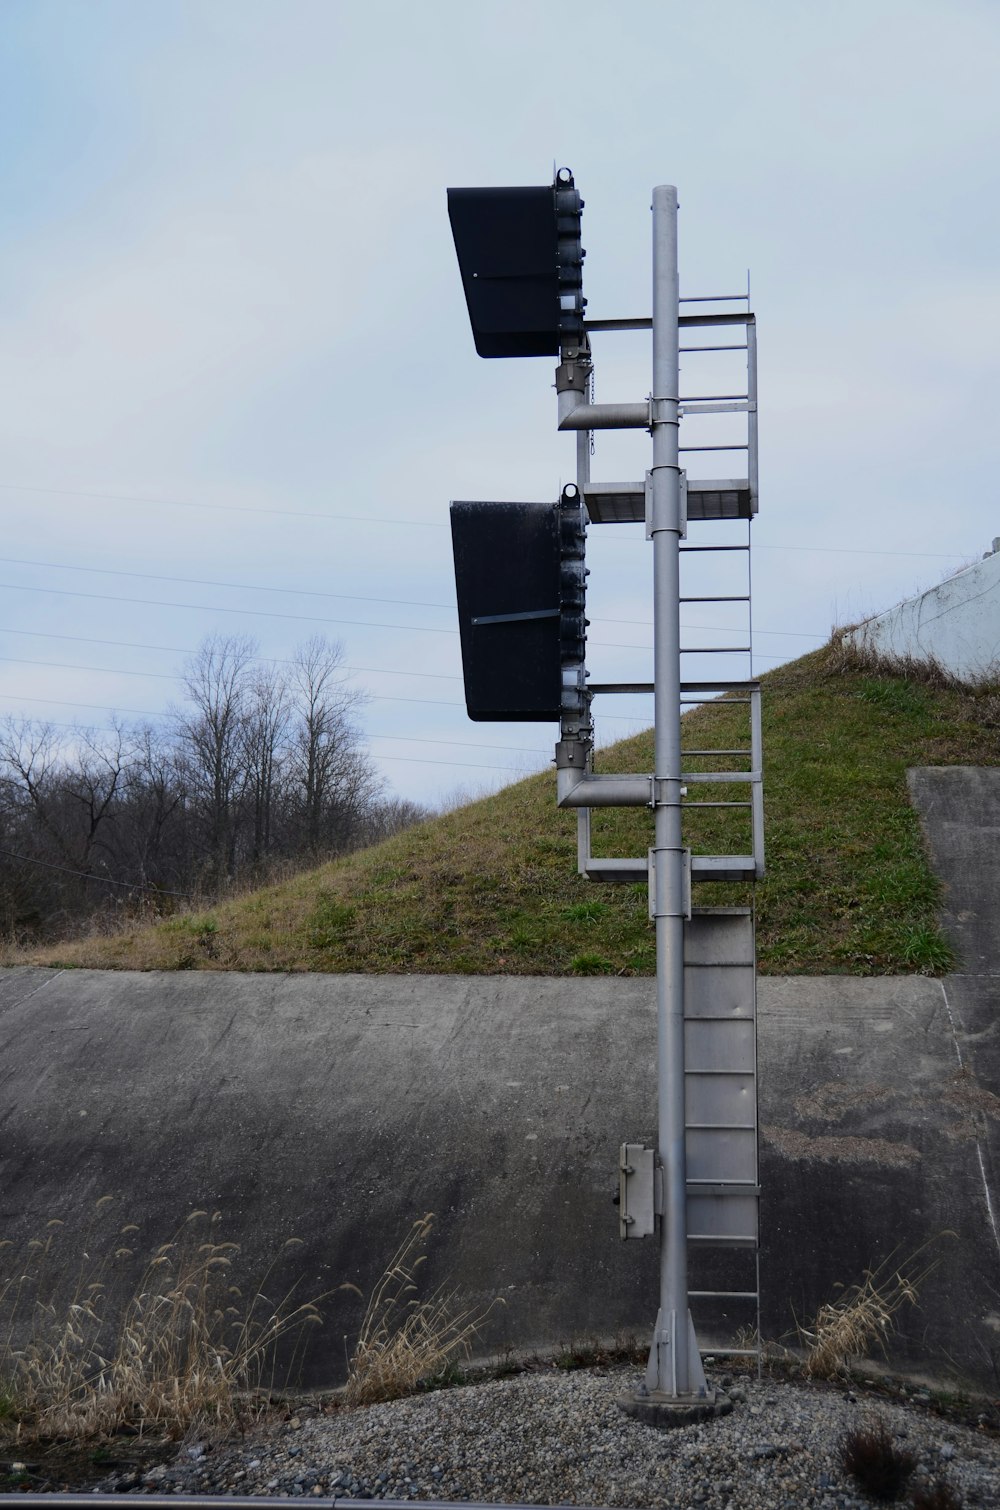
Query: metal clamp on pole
660,412
682,505
664,500
682,906
572,754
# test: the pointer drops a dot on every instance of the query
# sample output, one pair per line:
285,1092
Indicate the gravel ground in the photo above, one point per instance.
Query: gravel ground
560,1438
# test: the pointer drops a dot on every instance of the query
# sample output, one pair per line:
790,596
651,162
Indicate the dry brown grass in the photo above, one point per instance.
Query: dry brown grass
185,1346
862,1318
405,1341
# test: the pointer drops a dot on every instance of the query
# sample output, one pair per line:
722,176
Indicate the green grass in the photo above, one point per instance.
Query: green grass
492,887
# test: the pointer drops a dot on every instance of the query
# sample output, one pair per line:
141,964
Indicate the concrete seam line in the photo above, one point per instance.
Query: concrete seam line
991,1216
951,1021
54,976
986,1190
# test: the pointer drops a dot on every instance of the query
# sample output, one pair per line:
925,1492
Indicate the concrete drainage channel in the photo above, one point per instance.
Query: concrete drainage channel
336,1109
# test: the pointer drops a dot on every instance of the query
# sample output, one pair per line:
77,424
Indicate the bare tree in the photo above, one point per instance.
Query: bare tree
265,727
154,811
60,808
212,744
92,784
333,775
260,763
390,815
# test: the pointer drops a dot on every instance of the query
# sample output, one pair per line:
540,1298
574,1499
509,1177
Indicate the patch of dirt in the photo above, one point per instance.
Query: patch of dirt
832,1101
972,1102
827,1150
967,1095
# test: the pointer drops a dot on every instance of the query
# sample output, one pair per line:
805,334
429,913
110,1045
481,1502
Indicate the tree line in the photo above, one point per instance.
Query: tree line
260,767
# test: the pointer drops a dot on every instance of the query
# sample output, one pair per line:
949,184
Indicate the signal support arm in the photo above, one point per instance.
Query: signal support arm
576,786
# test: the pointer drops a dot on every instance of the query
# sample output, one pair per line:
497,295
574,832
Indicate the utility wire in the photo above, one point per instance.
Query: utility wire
88,876
166,676
431,524
257,613
463,765
63,702
220,508
409,738
145,576
306,592
269,660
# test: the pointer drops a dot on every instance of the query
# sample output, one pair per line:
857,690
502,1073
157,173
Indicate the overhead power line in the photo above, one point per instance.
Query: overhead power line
166,676
219,508
299,592
307,592
257,613
268,660
430,524
87,875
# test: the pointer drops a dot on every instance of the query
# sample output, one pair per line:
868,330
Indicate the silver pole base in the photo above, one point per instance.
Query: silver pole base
654,1408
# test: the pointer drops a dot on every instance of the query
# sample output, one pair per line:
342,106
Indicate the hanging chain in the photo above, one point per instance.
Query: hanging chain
593,393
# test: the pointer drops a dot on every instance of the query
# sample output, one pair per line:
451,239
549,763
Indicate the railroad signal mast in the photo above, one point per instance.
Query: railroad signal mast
520,575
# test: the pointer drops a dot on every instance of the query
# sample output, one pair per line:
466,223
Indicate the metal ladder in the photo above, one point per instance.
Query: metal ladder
708,500
719,960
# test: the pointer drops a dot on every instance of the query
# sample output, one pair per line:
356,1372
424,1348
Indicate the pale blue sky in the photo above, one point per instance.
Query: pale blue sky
227,284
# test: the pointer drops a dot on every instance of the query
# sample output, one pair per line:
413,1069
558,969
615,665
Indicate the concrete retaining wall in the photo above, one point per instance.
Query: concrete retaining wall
338,1108
956,625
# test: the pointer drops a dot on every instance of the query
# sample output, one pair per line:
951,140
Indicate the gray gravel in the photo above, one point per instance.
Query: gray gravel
559,1438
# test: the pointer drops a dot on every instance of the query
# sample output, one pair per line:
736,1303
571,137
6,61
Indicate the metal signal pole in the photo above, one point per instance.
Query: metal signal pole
675,1386
672,1369
717,1204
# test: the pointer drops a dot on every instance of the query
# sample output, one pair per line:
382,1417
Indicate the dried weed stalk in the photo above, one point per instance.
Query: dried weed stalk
405,1341
863,1317
183,1347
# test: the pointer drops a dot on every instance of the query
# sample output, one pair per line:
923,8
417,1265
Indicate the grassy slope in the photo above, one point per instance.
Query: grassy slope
492,888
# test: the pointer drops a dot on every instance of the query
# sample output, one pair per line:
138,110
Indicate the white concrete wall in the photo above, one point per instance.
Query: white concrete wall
956,624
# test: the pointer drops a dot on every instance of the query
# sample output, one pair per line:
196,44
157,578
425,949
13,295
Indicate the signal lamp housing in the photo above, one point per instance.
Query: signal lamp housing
521,262
521,581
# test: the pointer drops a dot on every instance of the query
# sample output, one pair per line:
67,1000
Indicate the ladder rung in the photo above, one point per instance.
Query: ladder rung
685,805
732,1352
721,1127
742,1187
722,778
745,318
723,1295
745,599
712,348
685,753
688,549
716,406
741,447
715,649
689,1071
